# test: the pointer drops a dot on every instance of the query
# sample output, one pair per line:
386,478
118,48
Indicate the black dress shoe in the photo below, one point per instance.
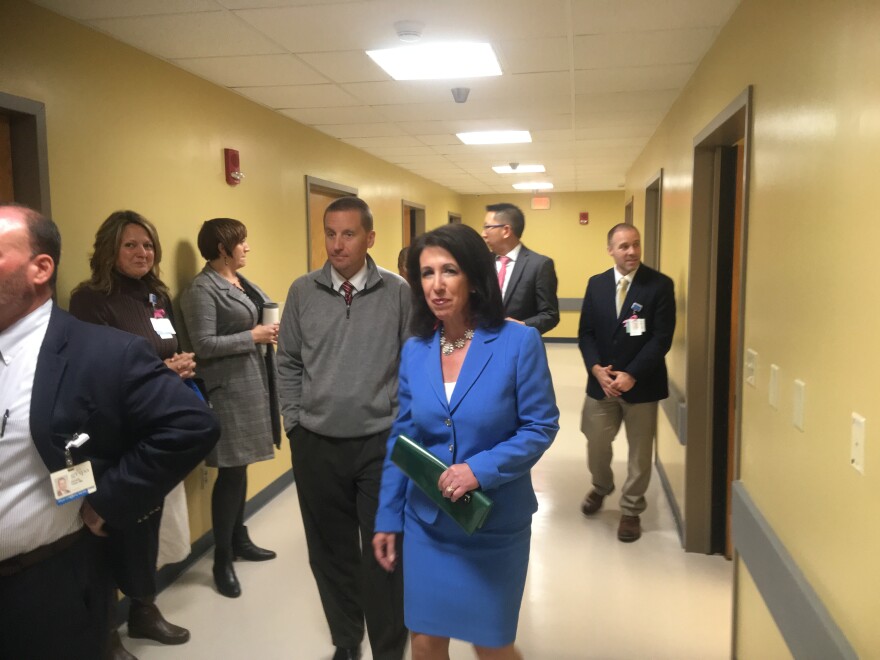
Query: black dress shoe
347,654
244,548
225,579
145,621
115,649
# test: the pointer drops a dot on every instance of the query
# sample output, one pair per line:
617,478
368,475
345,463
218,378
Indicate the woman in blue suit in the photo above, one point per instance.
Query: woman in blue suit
475,391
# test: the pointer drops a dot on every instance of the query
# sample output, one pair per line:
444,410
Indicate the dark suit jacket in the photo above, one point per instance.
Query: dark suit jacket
531,292
147,429
603,340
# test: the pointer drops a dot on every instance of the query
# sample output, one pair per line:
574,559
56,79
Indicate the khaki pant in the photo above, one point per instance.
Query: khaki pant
600,422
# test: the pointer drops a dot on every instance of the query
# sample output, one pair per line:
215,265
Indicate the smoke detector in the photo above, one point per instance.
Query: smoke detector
513,166
409,31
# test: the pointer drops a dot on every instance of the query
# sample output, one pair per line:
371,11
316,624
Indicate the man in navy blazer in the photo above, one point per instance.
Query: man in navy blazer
527,279
626,327
62,380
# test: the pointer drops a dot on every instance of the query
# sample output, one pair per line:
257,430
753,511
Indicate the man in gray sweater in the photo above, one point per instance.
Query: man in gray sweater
338,349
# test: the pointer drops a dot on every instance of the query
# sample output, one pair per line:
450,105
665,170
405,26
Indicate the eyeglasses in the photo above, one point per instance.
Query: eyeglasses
493,226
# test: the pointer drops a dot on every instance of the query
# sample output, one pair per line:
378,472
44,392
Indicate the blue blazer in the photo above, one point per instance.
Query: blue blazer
500,420
147,428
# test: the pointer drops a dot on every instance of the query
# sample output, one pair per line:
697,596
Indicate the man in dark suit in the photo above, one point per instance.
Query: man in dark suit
80,402
626,327
527,279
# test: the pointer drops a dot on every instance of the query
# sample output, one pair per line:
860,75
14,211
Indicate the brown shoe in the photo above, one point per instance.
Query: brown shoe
115,649
630,529
145,621
592,502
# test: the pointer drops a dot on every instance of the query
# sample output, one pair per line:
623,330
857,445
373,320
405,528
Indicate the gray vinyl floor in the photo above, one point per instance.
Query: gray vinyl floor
588,595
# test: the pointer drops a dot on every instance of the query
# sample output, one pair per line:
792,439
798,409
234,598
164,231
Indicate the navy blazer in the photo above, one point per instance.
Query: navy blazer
147,429
603,339
531,293
500,420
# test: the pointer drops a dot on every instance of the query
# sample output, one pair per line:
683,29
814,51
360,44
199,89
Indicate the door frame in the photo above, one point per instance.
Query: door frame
405,231
730,125
653,220
30,151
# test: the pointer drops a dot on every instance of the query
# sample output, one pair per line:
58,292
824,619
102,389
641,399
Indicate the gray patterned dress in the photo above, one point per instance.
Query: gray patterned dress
240,379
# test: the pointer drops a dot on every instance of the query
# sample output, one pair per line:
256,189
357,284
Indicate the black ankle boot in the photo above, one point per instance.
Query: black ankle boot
225,578
244,548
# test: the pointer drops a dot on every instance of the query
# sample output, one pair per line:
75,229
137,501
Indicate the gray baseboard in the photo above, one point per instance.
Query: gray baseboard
806,625
670,497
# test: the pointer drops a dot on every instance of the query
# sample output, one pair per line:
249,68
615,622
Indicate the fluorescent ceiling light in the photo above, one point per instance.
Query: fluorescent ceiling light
534,185
520,169
437,61
494,137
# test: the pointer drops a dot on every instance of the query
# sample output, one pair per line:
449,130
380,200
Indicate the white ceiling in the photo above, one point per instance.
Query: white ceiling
591,79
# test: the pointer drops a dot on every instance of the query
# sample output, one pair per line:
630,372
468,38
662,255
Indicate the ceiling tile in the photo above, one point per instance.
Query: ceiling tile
591,79
631,79
360,130
298,96
203,34
603,16
326,116
534,55
346,66
85,10
252,70
642,48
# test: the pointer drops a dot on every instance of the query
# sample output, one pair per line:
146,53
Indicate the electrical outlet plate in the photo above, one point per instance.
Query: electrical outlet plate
751,367
773,394
857,449
800,395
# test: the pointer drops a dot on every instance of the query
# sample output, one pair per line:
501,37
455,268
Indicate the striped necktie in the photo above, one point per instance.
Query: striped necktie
347,289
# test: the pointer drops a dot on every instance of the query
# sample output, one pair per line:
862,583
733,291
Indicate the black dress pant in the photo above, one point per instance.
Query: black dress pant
337,483
58,608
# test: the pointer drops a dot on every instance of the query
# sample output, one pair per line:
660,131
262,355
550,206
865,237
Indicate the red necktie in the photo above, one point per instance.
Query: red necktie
347,288
502,272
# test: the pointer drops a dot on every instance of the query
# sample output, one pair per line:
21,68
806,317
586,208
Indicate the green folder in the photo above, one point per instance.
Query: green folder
424,469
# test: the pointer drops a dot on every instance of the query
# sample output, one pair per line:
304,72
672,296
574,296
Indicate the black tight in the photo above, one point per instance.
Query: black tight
227,507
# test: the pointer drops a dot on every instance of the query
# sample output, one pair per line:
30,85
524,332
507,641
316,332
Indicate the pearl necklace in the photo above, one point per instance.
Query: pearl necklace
447,347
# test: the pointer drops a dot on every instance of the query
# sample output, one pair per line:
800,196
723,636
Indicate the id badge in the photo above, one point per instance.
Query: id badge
72,483
635,327
163,328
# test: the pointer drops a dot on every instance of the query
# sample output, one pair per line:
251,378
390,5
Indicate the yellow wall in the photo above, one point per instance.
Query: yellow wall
578,251
126,130
758,636
810,300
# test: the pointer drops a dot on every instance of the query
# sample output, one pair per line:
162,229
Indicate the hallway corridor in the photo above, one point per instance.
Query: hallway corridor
588,596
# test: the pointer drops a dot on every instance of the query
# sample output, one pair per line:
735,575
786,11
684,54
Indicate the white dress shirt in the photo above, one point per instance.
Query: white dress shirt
358,280
29,515
629,281
513,255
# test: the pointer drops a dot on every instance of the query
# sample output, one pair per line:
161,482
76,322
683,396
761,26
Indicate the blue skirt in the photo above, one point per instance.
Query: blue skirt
464,587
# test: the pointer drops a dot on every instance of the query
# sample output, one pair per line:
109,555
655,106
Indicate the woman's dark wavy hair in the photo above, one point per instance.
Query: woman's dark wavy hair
476,262
108,239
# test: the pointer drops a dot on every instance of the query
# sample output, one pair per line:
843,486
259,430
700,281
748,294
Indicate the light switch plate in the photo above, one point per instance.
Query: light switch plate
773,394
857,451
751,367
800,395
